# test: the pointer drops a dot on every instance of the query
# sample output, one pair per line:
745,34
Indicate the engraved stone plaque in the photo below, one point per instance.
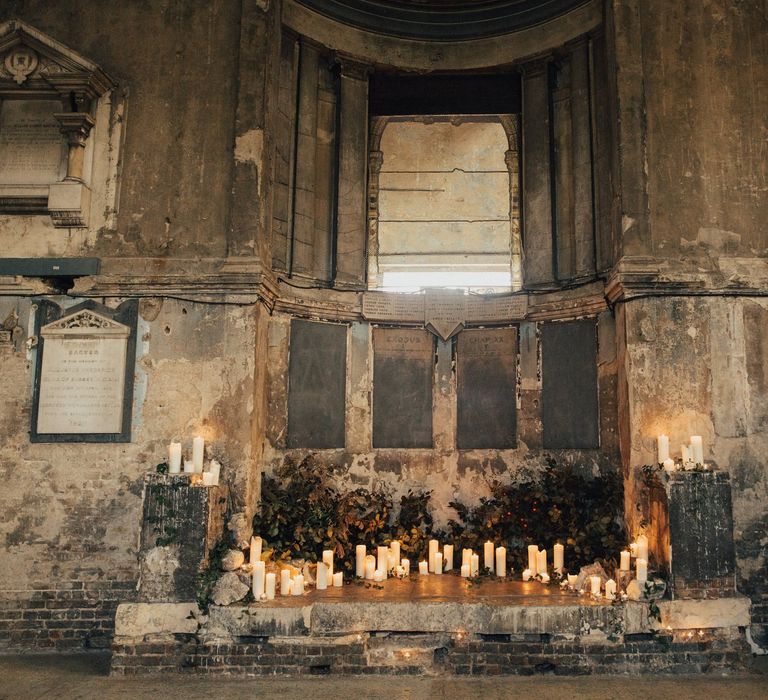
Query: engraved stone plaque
380,306
32,148
445,312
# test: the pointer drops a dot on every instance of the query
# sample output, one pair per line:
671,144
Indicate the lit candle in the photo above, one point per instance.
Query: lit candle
501,561
633,549
466,557
642,547
438,562
297,585
595,582
448,557
465,570
285,582
697,449
642,570
434,545
215,471
189,467
382,559
669,465
406,564
663,448
423,567
379,575
370,567
338,579
488,555
394,548
255,551
328,561
474,566
174,458
541,562
360,553
685,453
391,560
624,566
533,553
610,589
258,580
208,479
558,556
322,576
270,580
527,574
572,581
198,447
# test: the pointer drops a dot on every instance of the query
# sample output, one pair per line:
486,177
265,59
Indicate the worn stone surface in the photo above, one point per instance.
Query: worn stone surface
229,589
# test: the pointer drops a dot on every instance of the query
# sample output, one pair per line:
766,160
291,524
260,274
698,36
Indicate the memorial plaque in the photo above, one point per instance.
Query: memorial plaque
403,368
32,149
506,308
569,385
317,366
445,312
84,375
380,306
487,385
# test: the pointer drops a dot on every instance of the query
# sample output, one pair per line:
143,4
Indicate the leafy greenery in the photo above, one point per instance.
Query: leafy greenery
208,577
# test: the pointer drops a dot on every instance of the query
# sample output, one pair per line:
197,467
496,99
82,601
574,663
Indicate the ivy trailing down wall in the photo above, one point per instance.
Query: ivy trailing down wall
303,512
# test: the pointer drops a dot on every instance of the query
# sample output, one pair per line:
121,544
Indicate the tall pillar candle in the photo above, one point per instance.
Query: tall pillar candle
406,564
448,557
466,557
269,585
501,561
370,567
258,582
475,564
328,561
642,547
297,585
322,576
382,559
438,562
434,545
285,582
488,556
610,589
642,570
624,565
533,553
541,562
255,551
662,452
595,582
360,553
558,558
174,458
394,548
697,449
685,454
198,449
215,471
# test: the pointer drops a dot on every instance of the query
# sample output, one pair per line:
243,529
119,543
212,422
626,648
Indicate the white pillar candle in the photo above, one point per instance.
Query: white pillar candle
633,549
610,589
370,567
406,564
379,575
558,557
642,547
685,454
488,549
624,566
572,580
434,545
258,580
527,573
269,586
189,467
447,557
399,571
382,558
208,479
533,553
642,570
438,562
662,452
544,578
541,562
322,576
360,553
338,579
501,561
285,582
423,567
394,548
391,560
669,465
474,566
328,561
198,448
595,582
465,570
697,449
255,550
174,458
297,585
215,471
466,557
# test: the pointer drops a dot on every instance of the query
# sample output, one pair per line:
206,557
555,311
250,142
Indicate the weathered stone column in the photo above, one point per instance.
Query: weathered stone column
75,126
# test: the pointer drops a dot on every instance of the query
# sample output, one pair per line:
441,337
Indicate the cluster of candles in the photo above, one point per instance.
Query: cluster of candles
210,476
691,454
537,562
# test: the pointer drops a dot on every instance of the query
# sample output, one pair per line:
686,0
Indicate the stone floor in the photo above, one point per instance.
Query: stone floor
83,677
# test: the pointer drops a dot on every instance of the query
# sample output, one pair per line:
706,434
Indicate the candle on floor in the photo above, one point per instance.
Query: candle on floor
338,579
189,467
360,553
255,550
466,557
662,452
624,565
258,580
382,559
285,582
406,564
558,557
474,566
642,547
328,561
541,562
174,458
595,582
198,448
610,589
434,545
423,567
438,562
370,567
322,576
465,571
527,574
642,570
269,586
488,555
297,585
448,557
533,553
697,449
501,561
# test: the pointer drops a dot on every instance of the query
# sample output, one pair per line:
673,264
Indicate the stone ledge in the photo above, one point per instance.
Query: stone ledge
137,620
705,614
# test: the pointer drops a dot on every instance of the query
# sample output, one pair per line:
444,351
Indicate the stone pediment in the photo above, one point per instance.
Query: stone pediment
85,322
33,63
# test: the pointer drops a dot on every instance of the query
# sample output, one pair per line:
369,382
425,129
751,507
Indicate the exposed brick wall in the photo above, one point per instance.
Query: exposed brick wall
74,615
